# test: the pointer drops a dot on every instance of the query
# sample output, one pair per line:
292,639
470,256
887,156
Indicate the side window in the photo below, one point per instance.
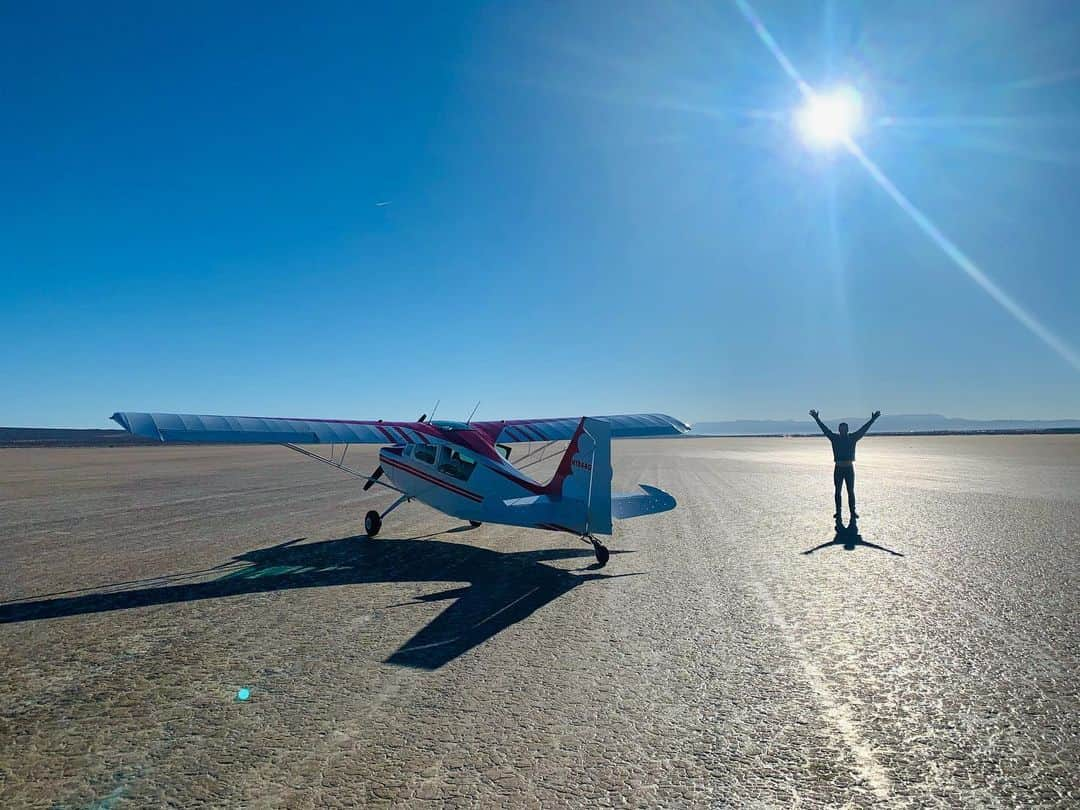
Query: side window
455,464
424,453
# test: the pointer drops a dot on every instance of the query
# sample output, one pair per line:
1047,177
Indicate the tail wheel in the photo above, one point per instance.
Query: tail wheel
599,549
372,523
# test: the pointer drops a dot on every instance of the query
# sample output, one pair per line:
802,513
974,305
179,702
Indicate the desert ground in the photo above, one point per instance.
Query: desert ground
734,652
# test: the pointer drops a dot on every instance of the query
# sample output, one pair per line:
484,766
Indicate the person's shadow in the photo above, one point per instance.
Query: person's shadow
504,588
850,539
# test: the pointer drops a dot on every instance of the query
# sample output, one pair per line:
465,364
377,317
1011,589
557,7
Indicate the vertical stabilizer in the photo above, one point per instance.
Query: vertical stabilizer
584,474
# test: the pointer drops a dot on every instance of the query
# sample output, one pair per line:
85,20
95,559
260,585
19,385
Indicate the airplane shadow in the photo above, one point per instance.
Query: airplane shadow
849,538
503,589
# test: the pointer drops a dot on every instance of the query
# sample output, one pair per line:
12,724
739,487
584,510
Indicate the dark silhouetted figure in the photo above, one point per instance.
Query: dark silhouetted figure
843,450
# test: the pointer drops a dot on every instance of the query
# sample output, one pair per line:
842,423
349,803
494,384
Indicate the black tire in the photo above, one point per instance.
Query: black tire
475,524
372,523
602,554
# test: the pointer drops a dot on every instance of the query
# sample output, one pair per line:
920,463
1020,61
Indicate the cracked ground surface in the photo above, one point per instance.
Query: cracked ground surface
934,660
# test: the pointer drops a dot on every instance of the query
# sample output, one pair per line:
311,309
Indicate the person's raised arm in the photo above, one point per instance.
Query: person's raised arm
820,424
862,431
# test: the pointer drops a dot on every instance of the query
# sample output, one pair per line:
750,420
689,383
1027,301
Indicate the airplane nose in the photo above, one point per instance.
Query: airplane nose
378,473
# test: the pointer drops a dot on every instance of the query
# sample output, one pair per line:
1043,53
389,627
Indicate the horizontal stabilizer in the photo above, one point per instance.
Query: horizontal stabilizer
568,513
652,501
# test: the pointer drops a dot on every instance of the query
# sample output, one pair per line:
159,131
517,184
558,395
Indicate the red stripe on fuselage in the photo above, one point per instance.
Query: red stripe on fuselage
433,480
531,486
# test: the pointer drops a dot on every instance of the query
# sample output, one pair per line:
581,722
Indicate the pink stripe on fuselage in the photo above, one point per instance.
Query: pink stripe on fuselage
433,480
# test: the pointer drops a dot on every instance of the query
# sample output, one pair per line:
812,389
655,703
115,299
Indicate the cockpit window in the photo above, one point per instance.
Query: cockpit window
455,464
448,425
424,453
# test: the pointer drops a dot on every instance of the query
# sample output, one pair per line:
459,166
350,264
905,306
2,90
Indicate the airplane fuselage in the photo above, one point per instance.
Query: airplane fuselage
461,473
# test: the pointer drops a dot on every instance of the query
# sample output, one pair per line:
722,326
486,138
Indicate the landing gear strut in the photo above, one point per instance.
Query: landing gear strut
599,549
373,520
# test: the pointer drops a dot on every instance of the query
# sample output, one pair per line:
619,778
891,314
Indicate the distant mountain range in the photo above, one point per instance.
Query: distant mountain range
888,423
66,437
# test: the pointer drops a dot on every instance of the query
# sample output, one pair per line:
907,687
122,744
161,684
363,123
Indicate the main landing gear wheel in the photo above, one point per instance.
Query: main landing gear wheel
476,524
372,523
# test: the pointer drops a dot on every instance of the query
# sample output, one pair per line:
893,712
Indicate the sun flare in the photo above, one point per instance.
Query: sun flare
830,119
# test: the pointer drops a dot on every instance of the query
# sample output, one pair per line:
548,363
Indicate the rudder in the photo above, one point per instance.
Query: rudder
584,474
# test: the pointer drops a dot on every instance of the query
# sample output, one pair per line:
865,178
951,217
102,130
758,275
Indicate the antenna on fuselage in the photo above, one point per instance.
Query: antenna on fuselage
434,409
471,415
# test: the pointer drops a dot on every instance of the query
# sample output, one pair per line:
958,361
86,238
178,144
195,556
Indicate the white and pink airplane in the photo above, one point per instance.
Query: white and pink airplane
462,469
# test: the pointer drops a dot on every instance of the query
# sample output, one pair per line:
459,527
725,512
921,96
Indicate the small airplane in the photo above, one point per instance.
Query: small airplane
462,469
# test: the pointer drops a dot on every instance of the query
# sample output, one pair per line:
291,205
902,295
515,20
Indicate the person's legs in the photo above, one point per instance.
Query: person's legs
849,478
838,482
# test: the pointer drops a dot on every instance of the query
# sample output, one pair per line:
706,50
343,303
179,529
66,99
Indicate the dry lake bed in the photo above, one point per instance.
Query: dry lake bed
734,652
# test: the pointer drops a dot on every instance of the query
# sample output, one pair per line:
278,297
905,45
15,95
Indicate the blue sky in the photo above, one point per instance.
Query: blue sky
593,208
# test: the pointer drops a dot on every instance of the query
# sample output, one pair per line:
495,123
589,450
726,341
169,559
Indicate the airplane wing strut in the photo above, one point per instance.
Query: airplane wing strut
338,464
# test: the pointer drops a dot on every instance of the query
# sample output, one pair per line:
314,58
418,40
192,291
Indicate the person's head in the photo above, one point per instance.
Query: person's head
843,428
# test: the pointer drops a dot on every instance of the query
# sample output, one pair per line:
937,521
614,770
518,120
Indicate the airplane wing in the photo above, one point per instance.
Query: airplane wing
547,430
186,427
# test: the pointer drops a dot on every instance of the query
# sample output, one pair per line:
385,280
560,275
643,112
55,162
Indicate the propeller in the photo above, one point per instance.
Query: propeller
375,476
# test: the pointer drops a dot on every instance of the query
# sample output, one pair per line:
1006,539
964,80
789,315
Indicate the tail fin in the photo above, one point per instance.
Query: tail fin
584,474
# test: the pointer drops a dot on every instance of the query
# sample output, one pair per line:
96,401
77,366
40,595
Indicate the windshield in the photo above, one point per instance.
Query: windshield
451,425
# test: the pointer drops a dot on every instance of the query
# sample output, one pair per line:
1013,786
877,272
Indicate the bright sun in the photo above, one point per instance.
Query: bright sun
828,119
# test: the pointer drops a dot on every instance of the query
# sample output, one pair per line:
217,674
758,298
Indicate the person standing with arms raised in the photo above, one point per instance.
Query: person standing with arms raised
843,448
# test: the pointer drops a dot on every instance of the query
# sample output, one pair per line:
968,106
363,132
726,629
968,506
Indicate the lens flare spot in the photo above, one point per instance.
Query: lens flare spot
830,119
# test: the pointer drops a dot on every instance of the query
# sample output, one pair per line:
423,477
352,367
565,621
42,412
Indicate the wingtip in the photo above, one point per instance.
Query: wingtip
122,420
660,497
678,424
